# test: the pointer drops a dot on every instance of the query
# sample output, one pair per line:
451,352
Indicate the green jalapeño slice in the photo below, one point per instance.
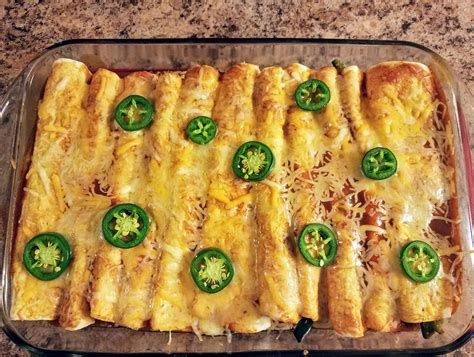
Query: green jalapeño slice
318,244
253,161
211,270
379,163
312,95
201,130
125,225
419,261
134,113
47,255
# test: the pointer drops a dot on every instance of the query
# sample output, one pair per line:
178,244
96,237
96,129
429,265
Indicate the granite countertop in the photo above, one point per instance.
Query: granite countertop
28,27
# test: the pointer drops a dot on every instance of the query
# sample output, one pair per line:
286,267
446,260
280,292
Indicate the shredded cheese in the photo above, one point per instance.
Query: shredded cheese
242,199
196,330
55,128
58,191
376,229
34,193
44,178
220,195
30,172
127,146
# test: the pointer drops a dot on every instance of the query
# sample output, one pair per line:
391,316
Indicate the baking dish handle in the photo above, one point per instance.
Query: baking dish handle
10,106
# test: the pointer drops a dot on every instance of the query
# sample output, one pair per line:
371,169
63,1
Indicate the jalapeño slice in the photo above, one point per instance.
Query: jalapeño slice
312,95
47,255
379,163
201,130
318,244
125,225
253,161
211,270
134,113
419,261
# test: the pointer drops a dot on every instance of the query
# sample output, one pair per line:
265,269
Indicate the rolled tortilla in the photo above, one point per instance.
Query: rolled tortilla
60,113
230,224
174,289
277,274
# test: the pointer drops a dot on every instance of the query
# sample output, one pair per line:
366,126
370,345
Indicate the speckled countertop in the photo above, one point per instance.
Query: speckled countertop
28,27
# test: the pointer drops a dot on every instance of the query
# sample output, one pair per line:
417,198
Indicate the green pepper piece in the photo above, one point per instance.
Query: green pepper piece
201,130
47,255
253,161
379,163
125,225
318,244
419,261
302,329
134,113
312,95
429,328
211,270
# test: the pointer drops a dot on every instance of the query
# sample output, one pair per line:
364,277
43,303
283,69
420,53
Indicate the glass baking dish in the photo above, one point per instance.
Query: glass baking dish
17,127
